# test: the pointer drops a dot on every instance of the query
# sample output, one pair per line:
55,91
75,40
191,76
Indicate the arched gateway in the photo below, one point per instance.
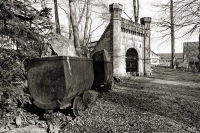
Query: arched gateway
131,60
127,42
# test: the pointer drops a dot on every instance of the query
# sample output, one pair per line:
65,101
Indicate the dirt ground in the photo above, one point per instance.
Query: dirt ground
168,101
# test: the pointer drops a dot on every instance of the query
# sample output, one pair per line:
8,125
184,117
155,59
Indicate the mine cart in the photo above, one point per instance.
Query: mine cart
102,70
54,82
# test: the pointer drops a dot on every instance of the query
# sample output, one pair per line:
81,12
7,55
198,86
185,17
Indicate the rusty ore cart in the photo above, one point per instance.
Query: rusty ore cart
62,81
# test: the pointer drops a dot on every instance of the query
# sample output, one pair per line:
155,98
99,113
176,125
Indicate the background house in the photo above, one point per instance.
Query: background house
166,59
155,58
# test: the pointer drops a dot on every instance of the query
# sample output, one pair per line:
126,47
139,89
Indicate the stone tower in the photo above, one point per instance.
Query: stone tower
147,48
115,23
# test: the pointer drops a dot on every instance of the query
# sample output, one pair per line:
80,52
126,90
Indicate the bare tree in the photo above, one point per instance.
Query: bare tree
74,23
43,3
136,10
56,17
87,23
66,10
185,19
82,12
172,33
84,16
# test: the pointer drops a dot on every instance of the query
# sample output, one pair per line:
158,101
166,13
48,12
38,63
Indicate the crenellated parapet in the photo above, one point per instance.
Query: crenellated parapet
131,27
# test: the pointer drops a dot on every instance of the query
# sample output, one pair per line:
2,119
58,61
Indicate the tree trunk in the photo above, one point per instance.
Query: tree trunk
199,52
86,23
74,23
172,34
56,17
136,10
69,20
137,15
70,28
90,32
43,3
81,16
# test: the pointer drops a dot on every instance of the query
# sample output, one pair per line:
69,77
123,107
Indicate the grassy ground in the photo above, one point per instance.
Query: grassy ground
167,101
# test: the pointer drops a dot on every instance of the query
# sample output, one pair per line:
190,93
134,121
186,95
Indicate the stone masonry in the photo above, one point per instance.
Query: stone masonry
128,44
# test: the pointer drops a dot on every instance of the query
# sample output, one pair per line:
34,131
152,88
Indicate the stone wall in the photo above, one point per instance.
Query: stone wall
105,41
136,42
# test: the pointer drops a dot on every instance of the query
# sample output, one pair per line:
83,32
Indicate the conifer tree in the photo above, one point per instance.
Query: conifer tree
23,26
22,30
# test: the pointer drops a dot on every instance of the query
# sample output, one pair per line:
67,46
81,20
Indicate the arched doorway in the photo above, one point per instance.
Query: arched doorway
131,60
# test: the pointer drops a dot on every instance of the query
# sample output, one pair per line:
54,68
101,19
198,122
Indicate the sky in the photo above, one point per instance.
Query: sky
158,45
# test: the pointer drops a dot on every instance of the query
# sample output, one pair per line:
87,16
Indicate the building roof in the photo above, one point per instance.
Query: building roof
154,53
169,56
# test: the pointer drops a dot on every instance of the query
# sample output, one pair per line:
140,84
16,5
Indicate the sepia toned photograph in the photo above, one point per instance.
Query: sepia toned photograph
99,66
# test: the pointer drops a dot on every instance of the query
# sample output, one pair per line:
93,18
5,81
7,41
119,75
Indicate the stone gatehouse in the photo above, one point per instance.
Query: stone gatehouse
128,44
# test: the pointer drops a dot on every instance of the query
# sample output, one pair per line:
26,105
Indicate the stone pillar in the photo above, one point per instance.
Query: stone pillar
119,64
147,48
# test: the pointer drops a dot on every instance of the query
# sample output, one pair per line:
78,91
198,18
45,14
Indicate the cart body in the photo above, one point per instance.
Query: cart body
54,81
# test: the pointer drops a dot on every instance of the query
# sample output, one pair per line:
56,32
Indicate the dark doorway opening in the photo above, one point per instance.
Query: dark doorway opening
131,60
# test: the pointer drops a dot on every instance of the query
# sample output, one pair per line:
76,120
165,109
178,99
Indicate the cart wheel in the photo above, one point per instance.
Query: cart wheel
86,99
108,85
48,115
78,106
